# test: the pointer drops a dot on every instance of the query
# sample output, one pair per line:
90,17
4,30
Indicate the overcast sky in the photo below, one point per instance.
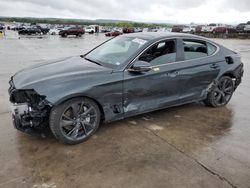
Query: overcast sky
174,11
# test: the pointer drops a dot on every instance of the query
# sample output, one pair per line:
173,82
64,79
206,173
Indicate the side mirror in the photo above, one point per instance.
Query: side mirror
140,66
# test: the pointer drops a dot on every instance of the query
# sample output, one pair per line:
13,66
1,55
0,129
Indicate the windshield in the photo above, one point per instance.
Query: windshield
116,51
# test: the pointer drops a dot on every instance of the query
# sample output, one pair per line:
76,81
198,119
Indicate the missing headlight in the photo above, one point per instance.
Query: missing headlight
23,96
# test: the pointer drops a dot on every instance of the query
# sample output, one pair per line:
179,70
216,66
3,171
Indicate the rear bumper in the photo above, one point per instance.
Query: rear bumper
238,75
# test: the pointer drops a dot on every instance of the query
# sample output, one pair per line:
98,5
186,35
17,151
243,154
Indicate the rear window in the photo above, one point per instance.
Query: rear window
194,49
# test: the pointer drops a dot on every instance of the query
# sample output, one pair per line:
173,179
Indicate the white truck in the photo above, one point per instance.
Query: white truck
189,29
209,28
92,29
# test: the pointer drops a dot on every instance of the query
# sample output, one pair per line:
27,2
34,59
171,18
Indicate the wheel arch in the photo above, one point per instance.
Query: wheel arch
230,74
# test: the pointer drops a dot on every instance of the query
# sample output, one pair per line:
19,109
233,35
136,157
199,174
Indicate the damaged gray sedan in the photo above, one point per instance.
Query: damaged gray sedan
123,77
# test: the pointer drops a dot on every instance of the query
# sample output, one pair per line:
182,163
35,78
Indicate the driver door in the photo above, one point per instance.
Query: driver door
154,89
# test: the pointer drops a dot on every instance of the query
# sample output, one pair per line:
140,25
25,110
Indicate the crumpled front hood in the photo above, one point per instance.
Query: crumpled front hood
58,71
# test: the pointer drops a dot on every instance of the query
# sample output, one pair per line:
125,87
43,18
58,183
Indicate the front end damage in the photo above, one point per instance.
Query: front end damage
30,111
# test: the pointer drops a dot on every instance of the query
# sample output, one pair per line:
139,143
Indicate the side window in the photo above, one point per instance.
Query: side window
210,49
194,49
160,53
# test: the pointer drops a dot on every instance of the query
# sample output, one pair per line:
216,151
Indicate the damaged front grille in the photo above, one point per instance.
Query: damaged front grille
21,96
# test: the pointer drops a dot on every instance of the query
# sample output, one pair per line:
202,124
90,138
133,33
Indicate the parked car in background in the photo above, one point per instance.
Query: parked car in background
92,29
30,31
54,31
247,27
198,28
145,29
105,29
224,30
77,31
2,27
177,28
240,28
128,30
125,76
113,33
188,29
209,28
44,30
18,28
155,29
164,29
137,30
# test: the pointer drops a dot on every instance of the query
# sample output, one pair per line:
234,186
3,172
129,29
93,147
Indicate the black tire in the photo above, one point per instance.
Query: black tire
75,120
65,35
221,93
79,35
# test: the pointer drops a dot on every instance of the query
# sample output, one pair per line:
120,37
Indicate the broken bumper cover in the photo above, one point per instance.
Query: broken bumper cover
25,121
26,129
30,111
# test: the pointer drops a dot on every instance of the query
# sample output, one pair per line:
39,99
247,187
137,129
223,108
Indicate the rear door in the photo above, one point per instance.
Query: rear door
198,69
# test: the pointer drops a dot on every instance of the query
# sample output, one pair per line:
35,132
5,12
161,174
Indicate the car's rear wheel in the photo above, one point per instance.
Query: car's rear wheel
221,93
75,120
65,35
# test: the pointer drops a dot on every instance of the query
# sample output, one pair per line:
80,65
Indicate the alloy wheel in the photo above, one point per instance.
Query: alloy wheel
223,92
78,120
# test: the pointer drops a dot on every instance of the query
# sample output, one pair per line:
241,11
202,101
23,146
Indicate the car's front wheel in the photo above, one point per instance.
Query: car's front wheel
221,93
75,120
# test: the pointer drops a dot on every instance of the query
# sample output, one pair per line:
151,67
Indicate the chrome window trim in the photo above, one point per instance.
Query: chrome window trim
175,38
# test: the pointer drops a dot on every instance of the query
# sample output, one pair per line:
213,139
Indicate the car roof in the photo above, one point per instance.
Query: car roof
159,35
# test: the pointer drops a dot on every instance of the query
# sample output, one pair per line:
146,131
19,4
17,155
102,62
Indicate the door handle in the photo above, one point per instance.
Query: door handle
214,66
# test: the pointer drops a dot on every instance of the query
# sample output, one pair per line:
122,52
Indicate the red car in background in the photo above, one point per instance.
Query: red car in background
113,34
77,31
224,30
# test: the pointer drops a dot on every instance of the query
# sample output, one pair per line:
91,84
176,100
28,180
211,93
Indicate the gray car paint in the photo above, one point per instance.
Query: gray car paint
121,93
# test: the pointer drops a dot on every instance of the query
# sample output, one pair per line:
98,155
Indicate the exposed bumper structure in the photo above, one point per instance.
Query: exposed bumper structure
29,110
34,131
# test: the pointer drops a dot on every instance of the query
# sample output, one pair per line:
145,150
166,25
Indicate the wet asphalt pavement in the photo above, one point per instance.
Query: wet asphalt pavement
186,146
